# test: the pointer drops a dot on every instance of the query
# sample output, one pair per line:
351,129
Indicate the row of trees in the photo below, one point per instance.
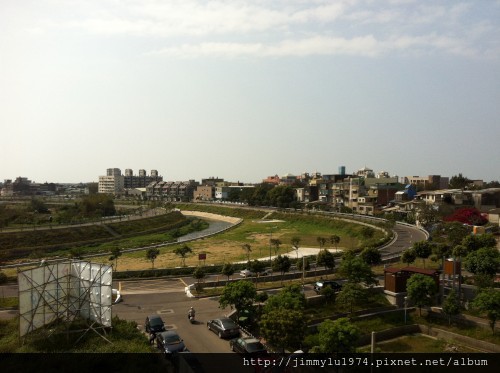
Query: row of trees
479,253
37,211
282,319
264,194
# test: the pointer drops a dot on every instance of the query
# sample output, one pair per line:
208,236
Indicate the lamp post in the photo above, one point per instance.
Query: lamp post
406,304
270,244
270,240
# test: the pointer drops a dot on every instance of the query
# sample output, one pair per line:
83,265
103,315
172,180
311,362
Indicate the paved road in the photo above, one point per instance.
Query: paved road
166,298
406,236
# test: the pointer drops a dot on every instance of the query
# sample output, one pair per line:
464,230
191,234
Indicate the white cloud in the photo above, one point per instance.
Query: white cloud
316,45
279,27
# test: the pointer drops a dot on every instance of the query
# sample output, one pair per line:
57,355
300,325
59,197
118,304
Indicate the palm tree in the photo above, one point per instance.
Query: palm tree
295,245
115,254
321,241
334,240
248,250
276,244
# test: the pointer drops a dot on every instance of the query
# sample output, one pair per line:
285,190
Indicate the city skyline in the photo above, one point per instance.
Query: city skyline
248,89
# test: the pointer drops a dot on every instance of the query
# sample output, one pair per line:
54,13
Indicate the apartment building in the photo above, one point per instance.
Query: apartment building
427,182
175,191
132,181
111,183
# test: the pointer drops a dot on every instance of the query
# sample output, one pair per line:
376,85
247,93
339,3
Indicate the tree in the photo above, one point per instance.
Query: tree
183,251
451,306
356,270
422,249
483,261
427,215
152,254
290,297
97,205
455,232
283,328
116,252
257,266
467,215
459,182
227,270
460,250
276,244
321,241
303,264
488,301
335,240
421,290
281,264
328,294
295,244
371,256
326,259
352,293
3,277
199,274
339,336
37,205
239,295
475,242
248,250
281,196
408,256
441,250
367,232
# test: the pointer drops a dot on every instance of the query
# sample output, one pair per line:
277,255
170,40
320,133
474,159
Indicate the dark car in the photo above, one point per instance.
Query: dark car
247,345
154,324
320,285
224,327
170,342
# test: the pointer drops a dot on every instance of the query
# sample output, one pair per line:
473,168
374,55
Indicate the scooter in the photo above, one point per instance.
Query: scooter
191,318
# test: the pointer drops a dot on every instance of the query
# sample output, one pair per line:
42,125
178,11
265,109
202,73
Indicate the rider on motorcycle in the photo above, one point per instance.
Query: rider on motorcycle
191,313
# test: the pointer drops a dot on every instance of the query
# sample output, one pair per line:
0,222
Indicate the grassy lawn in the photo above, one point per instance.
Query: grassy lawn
227,247
9,302
417,343
125,337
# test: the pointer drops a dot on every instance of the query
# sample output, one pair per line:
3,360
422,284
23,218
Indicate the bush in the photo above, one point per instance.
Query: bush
3,277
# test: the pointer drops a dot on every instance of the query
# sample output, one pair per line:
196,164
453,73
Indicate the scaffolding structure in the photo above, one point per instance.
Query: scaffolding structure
65,291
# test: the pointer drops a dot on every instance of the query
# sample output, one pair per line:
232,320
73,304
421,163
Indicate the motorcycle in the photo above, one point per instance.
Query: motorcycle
191,318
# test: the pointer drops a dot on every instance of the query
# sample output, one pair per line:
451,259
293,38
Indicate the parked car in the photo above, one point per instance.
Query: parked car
224,327
318,286
154,324
247,345
170,342
246,273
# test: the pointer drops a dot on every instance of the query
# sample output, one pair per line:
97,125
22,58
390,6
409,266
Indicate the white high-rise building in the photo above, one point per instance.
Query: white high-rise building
112,183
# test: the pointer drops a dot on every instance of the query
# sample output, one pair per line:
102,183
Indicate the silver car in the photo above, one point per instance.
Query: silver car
224,327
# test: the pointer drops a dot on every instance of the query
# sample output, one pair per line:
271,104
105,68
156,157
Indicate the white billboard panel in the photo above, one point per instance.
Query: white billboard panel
64,291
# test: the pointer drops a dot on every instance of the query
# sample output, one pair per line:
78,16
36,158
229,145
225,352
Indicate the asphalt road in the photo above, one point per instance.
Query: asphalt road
166,298
406,236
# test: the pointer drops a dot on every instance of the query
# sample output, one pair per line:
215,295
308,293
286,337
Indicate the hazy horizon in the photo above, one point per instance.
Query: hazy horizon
247,89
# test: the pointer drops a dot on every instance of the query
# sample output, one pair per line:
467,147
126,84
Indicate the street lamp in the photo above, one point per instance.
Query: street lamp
406,305
270,244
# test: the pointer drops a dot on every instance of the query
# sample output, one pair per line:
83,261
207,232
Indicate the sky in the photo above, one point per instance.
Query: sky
242,90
